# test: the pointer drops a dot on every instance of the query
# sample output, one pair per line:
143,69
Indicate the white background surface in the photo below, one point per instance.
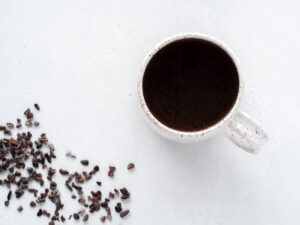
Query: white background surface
80,60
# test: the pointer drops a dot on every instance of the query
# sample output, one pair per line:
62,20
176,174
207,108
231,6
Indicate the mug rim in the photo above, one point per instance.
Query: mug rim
198,133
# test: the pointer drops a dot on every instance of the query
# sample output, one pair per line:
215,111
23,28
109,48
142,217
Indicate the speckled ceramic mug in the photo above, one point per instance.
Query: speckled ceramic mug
236,125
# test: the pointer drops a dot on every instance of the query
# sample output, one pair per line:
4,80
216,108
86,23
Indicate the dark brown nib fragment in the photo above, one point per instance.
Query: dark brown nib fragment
124,213
28,123
40,212
86,217
111,171
13,142
111,195
20,208
19,124
76,216
10,125
118,207
19,193
53,185
68,186
9,195
63,172
125,193
78,188
37,106
32,204
81,200
84,162
103,204
103,218
28,114
7,132
96,169
130,166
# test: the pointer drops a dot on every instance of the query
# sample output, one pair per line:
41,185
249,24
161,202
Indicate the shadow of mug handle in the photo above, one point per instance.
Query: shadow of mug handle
246,133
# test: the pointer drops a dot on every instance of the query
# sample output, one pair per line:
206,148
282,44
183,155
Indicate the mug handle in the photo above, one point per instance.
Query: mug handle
246,133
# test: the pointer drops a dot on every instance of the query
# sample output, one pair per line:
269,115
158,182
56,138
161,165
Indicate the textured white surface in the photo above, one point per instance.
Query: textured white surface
80,60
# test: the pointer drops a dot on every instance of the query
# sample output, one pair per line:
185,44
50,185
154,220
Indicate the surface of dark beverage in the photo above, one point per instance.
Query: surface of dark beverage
190,84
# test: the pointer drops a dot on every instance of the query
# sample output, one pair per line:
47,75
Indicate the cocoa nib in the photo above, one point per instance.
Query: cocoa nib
84,162
124,213
111,171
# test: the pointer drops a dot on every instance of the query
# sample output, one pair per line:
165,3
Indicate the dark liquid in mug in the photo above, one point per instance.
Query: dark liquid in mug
190,84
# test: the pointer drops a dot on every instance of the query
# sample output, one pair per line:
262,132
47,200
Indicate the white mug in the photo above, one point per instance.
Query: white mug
237,126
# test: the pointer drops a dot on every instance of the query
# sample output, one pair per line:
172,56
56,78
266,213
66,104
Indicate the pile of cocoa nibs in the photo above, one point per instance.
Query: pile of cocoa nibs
23,159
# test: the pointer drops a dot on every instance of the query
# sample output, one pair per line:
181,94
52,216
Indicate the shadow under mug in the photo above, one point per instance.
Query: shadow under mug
236,125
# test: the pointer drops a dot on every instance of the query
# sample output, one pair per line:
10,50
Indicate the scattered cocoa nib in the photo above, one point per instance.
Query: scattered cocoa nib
125,193
81,200
118,207
79,179
37,106
103,204
40,212
63,172
32,204
85,218
9,195
111,195
124,213
28,114
54,218
28,123
76,216
20,208
108,211
19,193
10,125
63,219
68,186
45,213
13,142
15,151
103,218
130,166
70,155
87,177
96,168
111,171
78,188
109,217
84,162
7,132
19,124
53,185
